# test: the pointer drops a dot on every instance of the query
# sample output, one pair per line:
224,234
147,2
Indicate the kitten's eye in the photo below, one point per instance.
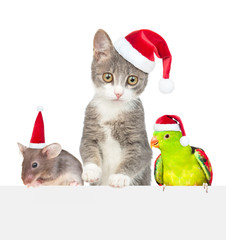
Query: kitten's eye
167,136
108,77
34,165
132,80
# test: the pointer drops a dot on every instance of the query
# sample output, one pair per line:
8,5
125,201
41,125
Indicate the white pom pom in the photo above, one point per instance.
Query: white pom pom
184,141
40,108
166,85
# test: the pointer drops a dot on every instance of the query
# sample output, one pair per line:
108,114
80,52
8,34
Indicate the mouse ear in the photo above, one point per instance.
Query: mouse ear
22,148
52,150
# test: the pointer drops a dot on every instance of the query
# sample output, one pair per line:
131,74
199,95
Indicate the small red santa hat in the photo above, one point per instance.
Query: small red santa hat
139,47
38,136
171,123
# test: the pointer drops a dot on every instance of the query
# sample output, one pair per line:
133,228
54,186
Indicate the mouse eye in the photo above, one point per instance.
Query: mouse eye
34,165
167,136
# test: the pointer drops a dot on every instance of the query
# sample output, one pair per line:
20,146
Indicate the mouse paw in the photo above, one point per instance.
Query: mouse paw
91,173
119,180
34,184
75,183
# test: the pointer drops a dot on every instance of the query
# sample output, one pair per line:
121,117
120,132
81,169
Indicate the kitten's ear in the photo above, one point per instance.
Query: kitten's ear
102,45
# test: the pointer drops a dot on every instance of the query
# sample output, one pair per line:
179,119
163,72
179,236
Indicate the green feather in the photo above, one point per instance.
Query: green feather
179,164
201,160
158,170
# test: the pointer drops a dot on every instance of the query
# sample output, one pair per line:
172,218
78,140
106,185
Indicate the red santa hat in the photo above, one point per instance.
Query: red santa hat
171,123
38,136
139,47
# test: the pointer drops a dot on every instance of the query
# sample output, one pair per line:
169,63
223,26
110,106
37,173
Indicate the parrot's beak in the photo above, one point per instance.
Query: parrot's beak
154,142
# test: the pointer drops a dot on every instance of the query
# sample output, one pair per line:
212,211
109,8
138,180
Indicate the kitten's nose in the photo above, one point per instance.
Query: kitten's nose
118,95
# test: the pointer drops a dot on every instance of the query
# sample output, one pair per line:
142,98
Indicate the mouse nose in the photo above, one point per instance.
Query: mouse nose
28,179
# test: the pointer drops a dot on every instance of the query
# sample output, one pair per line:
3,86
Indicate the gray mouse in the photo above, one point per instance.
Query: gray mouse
50,166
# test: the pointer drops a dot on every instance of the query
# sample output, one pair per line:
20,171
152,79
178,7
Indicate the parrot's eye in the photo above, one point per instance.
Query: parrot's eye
167,136
34,165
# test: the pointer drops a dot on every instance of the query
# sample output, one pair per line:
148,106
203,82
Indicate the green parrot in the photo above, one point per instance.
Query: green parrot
179,164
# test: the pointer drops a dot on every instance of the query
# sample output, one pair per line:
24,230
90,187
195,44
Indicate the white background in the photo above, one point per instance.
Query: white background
45,59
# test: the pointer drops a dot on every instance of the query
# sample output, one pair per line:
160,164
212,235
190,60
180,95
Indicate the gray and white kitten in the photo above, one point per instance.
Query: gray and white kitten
114,146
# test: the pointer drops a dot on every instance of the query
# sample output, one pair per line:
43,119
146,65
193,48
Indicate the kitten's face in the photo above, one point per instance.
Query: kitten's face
114,78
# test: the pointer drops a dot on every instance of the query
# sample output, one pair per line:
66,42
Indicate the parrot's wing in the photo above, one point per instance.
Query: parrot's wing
158,170
205,164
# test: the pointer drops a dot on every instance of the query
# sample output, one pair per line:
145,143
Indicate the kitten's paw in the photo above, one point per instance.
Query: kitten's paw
119,180
91,173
